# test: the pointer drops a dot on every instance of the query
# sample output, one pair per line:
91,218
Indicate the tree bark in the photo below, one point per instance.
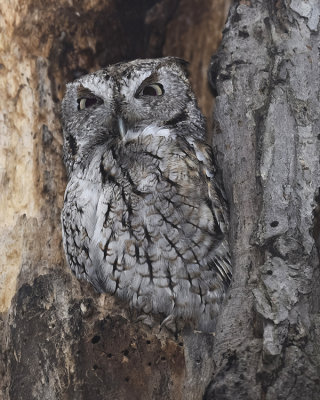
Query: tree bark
266,77
59,338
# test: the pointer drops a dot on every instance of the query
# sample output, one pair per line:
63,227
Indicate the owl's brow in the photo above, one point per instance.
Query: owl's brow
84,92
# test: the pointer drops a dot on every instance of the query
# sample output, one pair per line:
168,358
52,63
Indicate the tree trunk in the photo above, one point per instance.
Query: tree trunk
60,339
266,77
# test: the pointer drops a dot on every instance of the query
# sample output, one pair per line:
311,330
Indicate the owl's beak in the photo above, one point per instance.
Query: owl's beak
122,127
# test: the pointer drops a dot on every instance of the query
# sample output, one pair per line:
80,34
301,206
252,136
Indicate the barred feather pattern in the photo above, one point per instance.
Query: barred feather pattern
145,219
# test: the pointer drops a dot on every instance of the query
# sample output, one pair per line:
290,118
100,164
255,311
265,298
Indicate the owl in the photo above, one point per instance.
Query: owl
144,216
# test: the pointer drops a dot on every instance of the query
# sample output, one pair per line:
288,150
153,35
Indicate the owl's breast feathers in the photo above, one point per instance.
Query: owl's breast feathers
152,228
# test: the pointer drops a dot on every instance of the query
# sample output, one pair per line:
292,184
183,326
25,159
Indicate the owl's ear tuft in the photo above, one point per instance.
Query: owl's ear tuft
181,63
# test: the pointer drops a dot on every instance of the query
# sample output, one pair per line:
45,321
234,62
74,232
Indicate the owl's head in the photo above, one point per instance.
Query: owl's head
102,107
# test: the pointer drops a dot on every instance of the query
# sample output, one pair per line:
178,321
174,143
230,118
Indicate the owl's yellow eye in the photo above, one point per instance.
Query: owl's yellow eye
86,102
155,89
82,104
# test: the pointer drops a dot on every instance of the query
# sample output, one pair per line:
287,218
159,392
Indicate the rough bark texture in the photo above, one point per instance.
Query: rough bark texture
266,77
59,339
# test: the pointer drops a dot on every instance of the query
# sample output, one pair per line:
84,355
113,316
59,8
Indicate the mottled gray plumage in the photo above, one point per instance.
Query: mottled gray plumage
144,217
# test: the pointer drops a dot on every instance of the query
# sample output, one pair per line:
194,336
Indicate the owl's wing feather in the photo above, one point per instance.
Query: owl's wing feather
218,204
216,193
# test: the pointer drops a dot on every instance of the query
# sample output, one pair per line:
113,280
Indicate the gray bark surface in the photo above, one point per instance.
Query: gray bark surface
266,77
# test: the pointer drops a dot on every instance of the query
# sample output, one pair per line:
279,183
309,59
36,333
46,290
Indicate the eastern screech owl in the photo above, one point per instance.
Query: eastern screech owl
144,217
